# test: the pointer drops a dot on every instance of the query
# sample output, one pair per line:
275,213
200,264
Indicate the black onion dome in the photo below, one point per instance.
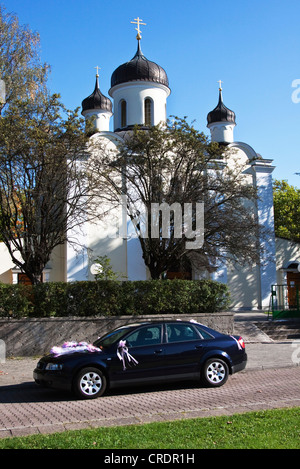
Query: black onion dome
221,113
139,69
97,100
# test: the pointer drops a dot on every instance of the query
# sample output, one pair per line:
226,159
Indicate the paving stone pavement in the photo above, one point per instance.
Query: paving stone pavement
270,380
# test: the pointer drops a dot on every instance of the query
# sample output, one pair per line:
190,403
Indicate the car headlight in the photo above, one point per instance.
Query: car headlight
54,366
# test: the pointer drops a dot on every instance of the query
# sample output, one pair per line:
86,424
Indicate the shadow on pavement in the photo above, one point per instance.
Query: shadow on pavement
30,392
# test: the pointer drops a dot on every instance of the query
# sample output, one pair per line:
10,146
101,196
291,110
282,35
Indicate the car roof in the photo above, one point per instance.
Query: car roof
168,321
160,321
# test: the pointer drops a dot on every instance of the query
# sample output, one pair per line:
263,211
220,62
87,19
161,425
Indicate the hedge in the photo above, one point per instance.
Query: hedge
113,298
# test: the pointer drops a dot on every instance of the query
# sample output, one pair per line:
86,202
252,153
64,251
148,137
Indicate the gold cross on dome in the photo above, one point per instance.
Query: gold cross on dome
220,84
97,68
138,21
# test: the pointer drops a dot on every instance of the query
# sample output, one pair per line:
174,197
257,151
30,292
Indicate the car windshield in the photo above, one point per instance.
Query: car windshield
108,339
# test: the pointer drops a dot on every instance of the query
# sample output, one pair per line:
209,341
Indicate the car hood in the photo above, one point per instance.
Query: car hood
68,355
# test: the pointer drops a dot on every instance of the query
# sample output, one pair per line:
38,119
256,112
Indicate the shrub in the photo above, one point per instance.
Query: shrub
16,300
113,298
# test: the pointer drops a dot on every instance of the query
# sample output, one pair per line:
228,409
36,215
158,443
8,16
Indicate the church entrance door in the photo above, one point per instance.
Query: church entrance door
293,284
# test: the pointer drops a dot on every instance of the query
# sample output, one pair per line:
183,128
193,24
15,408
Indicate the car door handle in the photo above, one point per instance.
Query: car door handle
198,347
158,351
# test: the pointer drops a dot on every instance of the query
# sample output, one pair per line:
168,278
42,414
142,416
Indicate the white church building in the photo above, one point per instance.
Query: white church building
138,95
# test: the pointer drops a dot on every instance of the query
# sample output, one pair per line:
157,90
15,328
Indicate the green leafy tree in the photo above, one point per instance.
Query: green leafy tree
286,210
44,188
21,69
43,184
22,74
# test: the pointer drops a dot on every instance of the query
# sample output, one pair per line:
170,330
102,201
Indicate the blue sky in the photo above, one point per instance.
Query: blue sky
251,45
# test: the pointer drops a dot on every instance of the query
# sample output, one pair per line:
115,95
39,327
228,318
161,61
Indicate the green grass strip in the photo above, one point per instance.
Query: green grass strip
270,429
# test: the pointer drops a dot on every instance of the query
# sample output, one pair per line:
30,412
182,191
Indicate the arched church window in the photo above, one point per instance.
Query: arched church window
293,266
123,113
148,111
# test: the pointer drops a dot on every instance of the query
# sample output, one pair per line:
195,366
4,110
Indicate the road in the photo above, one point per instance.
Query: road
27,409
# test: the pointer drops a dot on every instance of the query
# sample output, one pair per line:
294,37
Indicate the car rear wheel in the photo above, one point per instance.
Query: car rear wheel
215,372
89,383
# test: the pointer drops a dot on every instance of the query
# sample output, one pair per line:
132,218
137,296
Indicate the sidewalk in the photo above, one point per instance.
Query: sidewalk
244,325
263,352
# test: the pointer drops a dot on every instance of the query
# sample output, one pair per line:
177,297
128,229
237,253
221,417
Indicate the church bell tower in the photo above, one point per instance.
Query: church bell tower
97,107
139,89
221,122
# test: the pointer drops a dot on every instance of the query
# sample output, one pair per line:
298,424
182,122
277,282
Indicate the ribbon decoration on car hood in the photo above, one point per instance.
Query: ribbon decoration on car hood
72,347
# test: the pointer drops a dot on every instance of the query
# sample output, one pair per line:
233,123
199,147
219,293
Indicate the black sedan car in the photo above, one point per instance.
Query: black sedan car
149,352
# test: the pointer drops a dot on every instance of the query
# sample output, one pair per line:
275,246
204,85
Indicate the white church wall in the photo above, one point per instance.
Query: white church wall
243,284
246,153
101,119
287,252
136,265
105,239
6,265
77,254
100,235
262,176
56,271
221,132
241,281
250,287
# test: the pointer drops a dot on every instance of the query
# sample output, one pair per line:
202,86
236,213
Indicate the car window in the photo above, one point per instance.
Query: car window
181,332
148,335
108,339
203,333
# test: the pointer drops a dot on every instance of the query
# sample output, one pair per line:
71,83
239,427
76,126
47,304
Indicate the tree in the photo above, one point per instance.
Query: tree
20,65
177,166
286,210
104,270
44,189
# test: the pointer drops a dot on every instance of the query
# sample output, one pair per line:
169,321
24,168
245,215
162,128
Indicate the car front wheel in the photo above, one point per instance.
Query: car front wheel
215,372
89,383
